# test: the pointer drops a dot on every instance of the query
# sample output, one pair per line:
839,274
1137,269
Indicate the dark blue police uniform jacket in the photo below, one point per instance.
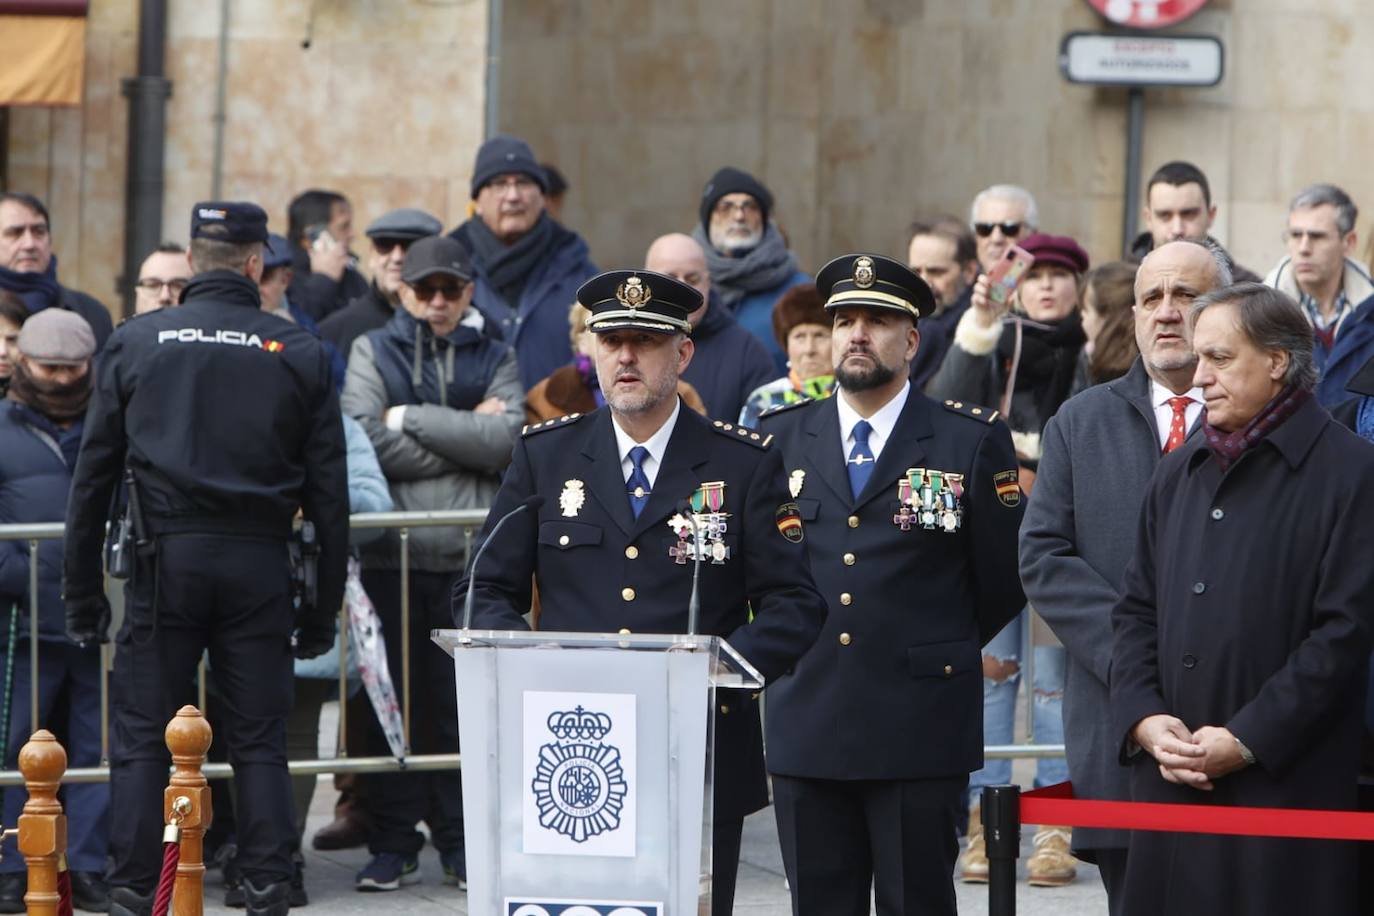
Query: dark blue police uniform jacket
893,688
601,569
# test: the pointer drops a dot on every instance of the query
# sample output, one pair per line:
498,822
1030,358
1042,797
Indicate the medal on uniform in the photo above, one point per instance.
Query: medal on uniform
929,482
572,497
905,518
681,552
953,515
794,483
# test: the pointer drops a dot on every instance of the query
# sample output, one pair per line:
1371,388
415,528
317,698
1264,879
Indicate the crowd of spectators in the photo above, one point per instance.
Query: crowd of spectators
444,344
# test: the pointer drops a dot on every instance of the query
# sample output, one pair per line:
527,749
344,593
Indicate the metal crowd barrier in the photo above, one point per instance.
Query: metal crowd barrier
467,519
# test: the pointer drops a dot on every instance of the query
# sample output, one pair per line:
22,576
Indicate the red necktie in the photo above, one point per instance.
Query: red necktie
1178,428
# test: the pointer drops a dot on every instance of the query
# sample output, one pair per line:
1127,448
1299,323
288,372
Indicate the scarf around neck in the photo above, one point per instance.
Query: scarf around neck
38,290
57,401
1227,448
766,266
508,267
1047,361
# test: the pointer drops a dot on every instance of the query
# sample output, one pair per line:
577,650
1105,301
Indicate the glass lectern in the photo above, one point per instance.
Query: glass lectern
587,769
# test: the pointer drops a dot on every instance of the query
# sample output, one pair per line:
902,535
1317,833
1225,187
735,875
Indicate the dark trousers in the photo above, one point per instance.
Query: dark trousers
396,802
840,838
725,843
1111,865
68,680
227,595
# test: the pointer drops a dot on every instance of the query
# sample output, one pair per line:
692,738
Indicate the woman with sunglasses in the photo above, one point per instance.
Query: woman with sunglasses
1025,363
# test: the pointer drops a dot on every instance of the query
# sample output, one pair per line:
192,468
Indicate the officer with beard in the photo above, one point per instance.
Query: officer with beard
912,508
226,420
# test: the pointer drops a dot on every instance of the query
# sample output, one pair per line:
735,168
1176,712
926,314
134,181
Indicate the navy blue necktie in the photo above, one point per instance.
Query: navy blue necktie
860,458
638,484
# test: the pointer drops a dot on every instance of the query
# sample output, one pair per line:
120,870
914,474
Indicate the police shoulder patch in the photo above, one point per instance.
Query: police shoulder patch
742,433
972,411
556,423
790,405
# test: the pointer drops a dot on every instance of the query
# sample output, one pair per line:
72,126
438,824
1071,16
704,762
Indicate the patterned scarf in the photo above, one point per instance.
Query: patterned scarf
1228,447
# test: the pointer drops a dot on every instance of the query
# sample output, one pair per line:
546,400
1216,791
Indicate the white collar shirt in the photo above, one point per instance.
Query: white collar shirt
657,446
1164,414
883,421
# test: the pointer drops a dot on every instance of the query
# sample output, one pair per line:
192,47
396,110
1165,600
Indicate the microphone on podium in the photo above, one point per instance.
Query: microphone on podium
684,509
531,504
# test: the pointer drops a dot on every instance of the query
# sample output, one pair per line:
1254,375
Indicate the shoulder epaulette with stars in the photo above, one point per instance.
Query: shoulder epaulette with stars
789,405
742,433
531,428
972,411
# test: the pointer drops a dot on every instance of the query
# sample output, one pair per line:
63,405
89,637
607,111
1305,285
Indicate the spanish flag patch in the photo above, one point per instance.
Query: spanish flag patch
1008,487
789,522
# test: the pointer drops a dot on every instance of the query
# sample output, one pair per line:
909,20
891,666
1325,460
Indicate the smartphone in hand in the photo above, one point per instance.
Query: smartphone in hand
320,239
1007,272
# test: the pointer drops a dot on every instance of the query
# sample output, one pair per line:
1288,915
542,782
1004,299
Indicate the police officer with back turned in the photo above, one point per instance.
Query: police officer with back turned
221,422
611,544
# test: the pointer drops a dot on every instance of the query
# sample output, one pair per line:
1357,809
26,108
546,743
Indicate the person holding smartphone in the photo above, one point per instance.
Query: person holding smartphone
1022,356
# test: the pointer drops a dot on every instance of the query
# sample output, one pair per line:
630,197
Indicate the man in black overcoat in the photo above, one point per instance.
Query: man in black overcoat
1243,633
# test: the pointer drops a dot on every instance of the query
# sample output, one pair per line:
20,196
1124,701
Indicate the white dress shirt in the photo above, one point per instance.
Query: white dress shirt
1164,414
882,422
657,445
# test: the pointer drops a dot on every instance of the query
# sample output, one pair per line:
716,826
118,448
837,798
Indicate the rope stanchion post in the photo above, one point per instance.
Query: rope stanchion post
1002,834
186,803
42,826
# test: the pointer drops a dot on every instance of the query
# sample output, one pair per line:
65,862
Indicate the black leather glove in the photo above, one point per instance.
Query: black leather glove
88,619
313,637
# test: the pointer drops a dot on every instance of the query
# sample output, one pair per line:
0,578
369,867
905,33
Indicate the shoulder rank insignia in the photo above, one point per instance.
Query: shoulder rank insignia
531,428
742,433
790,405
976,411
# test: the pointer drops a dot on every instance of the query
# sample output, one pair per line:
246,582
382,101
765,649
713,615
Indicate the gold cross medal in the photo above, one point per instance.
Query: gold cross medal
571,499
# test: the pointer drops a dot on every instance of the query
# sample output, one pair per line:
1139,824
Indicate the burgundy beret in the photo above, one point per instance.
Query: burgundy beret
1056,249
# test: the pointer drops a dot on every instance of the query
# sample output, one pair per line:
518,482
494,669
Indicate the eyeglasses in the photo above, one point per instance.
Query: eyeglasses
386,246
748,206
1010,230
154,285
452,291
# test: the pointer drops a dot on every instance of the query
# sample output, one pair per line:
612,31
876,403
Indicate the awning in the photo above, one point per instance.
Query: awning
42,51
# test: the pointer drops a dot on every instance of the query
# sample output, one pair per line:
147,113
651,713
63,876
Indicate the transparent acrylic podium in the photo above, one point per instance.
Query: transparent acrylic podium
587,764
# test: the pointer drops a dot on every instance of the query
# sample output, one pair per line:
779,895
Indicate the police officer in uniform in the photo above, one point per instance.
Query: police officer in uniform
911,510
226,421
609,548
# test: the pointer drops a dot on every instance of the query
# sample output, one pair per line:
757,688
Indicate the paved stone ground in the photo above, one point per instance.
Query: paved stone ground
329,876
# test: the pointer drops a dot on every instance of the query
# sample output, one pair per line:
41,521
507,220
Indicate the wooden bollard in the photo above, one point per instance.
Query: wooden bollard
187,804
42,826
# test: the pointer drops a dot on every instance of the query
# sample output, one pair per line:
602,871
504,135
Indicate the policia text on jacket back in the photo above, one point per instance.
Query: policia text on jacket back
228,421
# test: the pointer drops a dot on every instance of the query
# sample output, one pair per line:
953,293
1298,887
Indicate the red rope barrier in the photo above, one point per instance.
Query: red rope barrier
171,856
64,891
1056,805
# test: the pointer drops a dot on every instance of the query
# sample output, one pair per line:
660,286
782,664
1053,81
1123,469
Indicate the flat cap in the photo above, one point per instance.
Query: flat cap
229,221
436,254
876,282
56,335
406,223
639,299
276,253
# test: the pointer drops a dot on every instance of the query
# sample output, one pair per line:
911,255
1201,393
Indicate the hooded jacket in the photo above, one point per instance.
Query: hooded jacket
444,456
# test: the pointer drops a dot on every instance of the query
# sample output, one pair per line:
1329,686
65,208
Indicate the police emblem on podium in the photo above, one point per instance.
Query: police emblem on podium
580,774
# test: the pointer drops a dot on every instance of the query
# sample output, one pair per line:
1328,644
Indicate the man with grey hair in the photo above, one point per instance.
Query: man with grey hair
1243,632
1001,215
1100,450
1334,290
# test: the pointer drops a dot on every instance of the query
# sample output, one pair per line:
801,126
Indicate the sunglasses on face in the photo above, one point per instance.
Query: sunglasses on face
386,246
1008,229
451,290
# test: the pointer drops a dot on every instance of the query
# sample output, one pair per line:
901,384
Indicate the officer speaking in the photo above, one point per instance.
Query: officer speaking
212,425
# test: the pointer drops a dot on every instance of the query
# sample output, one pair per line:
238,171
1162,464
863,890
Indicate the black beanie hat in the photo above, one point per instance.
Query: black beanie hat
502,155
733,181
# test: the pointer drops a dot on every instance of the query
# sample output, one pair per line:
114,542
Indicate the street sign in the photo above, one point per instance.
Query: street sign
1147,14
1141,60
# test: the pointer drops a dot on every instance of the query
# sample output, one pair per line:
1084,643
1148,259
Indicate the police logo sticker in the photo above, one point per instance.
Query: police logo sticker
571,499
634,293
579,768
